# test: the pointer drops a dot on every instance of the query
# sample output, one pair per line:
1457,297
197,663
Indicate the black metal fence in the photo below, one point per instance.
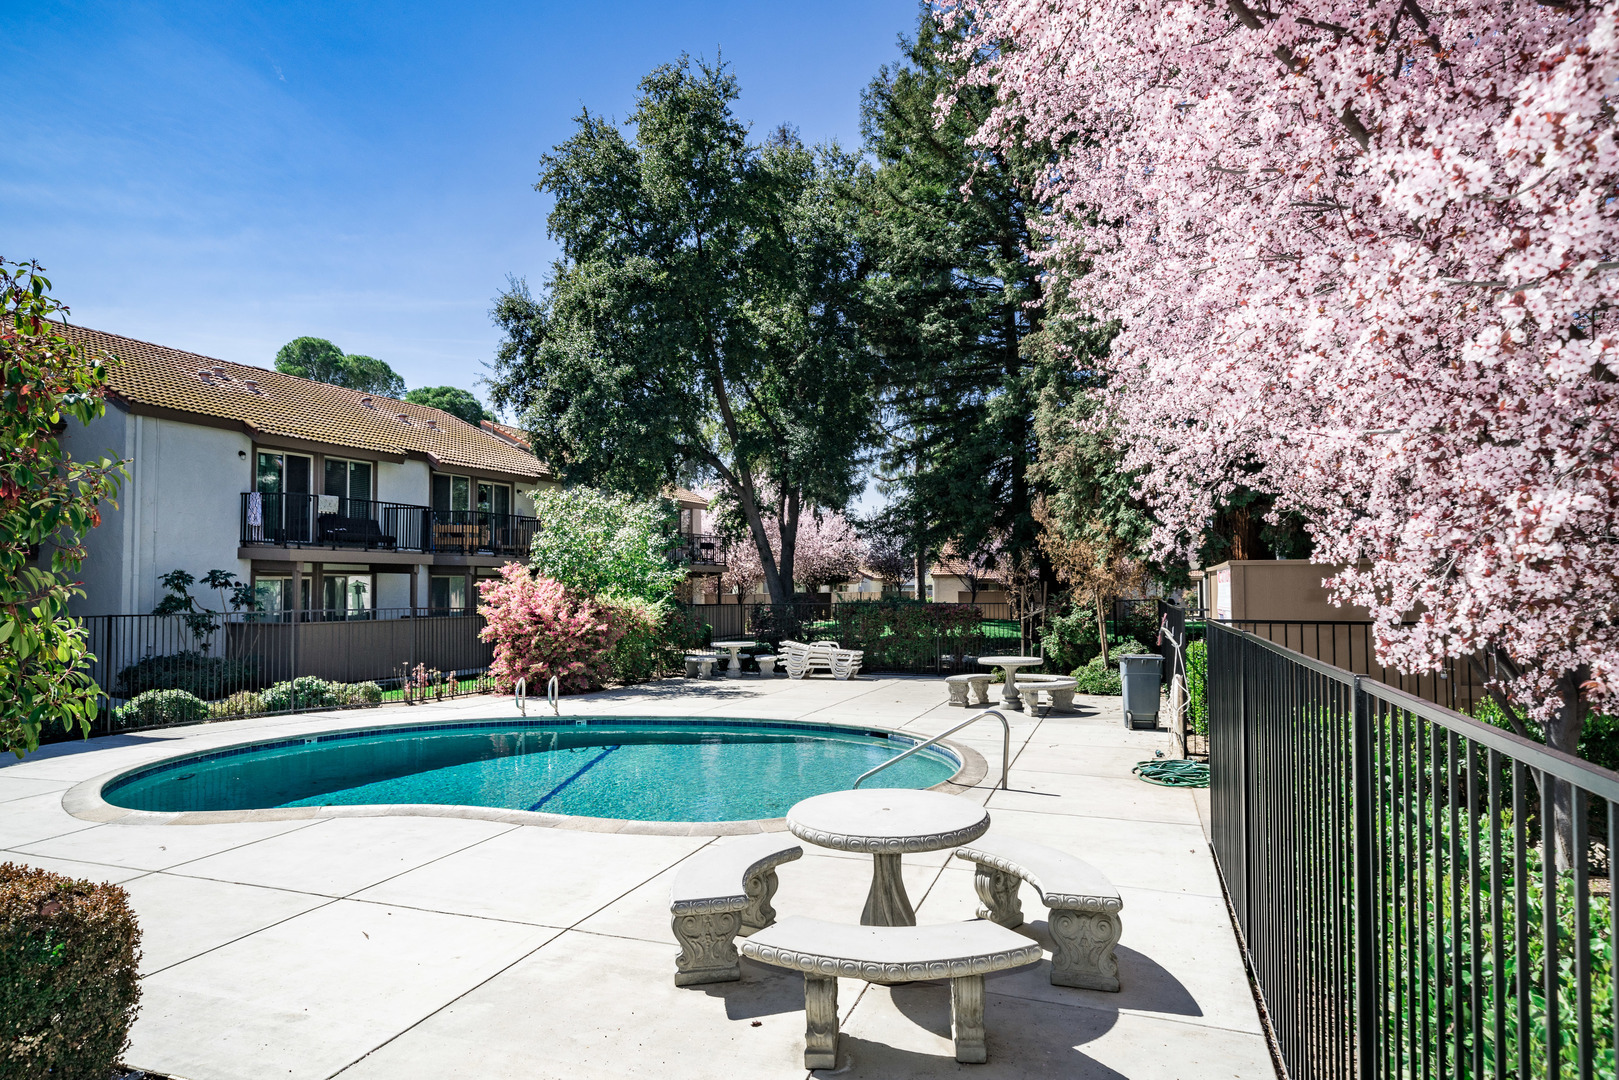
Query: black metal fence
897,636
300,520
1419,894
1352,646
230,661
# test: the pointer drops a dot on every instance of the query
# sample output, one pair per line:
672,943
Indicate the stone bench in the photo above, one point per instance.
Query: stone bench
961,952
1084,905
698,665
1060,687
767,664
723,890
958,686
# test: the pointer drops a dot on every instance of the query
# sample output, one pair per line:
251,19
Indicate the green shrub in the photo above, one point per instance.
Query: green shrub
242,703
68,981
358,693
1197,687
1070,641
162,707
1098,678
654,639
208,677
304,692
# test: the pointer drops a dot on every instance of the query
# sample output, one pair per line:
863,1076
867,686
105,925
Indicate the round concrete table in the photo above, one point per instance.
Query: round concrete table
1010,698
734,668
887,822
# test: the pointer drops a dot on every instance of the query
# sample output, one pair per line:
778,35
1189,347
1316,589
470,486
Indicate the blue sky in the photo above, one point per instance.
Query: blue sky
226,177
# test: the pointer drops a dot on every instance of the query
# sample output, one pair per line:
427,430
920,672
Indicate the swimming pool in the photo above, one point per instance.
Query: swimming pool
637,768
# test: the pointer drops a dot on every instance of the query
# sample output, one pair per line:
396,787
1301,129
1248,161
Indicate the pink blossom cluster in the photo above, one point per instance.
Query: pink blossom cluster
540,629
1363,254
828,551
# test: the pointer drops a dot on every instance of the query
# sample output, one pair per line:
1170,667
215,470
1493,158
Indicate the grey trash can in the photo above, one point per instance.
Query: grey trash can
1141,676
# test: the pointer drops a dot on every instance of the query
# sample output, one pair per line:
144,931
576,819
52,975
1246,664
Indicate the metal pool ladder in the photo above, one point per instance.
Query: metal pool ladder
552,696
1006,746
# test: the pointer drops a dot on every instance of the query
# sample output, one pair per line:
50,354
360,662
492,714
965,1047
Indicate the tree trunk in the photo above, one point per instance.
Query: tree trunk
1563,733
1101,627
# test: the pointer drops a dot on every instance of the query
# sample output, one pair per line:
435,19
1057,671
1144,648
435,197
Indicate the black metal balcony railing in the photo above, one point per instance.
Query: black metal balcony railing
703,549
297,520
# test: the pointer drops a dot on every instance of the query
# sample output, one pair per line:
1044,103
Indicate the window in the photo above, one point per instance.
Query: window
272,595
349,593
280,473
447,593
451,493
494,498
282,482
347,479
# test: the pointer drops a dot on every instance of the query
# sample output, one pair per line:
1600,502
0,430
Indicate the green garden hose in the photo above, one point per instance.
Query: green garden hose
1173,773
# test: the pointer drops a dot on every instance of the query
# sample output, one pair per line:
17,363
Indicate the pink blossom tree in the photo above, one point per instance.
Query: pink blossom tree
540,629
829,552
1363,255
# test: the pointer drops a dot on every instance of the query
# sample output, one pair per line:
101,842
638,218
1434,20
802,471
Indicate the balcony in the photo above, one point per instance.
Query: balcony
700,550
336,523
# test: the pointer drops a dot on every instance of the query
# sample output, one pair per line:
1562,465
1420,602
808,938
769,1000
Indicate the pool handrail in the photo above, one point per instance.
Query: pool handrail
520,695
553,696
1006,746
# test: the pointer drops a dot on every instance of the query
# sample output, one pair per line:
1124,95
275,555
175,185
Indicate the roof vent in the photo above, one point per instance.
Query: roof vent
403,418
432,425
368,403
219,373
252,385
206,377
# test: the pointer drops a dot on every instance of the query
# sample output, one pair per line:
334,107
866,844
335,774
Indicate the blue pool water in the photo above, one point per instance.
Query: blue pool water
644,769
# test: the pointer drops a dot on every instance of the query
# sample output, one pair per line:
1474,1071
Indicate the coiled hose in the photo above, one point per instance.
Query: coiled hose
1169,772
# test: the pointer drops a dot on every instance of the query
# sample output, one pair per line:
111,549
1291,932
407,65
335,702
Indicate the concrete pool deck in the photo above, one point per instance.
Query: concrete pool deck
394,948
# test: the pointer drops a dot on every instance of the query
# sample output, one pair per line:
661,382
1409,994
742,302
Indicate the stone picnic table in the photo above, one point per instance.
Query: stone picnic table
734,668
887,823
1010,698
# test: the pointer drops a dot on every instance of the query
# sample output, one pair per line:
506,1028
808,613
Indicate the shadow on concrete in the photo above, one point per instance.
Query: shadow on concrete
763,991
1034,1029
1025,1039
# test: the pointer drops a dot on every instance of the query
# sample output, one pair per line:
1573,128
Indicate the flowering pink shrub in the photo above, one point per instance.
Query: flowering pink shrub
540,629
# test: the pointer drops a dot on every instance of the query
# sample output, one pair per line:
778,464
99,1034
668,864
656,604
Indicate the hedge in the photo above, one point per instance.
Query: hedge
162,707
208,677
69,953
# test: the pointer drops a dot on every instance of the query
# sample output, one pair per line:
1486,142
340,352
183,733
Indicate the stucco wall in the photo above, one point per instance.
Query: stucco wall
178,508
405,482
1279,590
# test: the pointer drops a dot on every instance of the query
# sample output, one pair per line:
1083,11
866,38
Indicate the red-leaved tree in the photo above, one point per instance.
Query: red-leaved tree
1363,255
540,629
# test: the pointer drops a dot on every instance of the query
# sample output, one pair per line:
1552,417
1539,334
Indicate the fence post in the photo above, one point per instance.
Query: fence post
1366,1063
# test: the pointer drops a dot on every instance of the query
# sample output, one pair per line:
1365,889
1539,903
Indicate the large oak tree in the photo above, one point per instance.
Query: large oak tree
703,320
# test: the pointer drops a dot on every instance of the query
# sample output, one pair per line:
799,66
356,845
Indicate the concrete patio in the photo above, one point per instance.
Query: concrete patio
421,948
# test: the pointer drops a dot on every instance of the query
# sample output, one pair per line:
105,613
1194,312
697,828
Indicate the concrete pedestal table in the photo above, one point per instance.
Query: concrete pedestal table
887,823
734,668
1010,698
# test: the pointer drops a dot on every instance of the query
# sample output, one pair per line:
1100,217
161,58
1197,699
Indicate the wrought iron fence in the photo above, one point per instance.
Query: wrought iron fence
1419,894
1352,646
300,520
248,663
897,636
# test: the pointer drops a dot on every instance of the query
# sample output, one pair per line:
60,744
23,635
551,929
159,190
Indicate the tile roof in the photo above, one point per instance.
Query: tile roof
685,496
277,404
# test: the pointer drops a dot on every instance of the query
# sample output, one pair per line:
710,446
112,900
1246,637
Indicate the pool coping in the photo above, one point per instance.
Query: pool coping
84,801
